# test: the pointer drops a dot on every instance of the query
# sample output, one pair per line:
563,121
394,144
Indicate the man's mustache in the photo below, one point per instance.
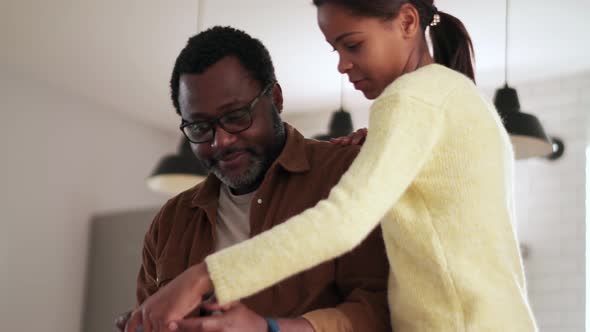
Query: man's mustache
219,155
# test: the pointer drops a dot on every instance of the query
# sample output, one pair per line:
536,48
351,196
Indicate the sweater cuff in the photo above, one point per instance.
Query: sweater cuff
328,320
220,285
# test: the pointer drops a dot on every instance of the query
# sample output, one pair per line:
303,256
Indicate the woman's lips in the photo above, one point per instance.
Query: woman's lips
360,84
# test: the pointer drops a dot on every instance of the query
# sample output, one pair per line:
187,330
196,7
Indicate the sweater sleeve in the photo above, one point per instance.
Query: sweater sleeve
402,133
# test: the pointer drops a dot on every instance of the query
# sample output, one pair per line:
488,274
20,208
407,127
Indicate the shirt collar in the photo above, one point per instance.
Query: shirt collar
294,158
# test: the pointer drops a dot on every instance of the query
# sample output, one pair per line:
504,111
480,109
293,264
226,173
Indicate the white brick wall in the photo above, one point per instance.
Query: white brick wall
550,202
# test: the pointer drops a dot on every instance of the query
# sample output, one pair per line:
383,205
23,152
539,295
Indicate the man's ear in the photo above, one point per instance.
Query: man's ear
277,97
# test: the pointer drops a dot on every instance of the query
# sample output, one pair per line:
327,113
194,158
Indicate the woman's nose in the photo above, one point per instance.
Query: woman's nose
344,65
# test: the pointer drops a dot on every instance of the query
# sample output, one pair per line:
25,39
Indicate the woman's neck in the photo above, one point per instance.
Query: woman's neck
419,57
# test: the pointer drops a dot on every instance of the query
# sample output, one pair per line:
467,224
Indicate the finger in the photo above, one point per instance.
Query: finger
121,321
215,306
212,324
206,324
134,321
157,323
364,132
149,323
230,305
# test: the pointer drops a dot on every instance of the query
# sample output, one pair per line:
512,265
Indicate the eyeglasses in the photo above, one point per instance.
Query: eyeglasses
233,122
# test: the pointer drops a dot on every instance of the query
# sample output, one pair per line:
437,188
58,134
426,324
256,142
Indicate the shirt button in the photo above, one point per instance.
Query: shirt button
259,201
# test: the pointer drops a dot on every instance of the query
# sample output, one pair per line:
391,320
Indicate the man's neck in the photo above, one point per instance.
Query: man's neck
247,189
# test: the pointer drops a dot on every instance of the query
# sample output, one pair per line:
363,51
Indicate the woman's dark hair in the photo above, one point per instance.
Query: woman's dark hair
451,43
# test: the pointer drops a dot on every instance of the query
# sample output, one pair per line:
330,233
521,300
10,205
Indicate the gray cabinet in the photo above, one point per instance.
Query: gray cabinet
113,262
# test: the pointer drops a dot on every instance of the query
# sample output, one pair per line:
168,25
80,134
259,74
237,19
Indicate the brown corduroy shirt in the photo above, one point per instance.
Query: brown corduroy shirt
350,291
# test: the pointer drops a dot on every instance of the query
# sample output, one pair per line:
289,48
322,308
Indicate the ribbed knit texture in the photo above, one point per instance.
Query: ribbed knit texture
436,171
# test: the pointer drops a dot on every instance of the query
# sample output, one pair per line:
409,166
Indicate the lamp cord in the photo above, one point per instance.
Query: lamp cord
199,16
506,28
341,93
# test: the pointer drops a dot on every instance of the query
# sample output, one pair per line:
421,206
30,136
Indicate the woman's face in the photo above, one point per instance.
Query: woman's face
373,52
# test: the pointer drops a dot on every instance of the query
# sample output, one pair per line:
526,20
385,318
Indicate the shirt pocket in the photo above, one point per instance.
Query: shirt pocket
167,270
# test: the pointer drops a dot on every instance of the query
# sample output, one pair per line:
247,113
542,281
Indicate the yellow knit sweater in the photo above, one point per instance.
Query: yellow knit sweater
436,172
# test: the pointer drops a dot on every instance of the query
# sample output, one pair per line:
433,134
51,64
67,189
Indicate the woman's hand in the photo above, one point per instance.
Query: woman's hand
356,138
172,302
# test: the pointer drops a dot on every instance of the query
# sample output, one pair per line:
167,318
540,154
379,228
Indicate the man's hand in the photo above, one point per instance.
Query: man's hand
356,138
173,302
236,318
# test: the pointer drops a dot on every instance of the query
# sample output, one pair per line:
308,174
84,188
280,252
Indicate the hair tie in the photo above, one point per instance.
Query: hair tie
435,17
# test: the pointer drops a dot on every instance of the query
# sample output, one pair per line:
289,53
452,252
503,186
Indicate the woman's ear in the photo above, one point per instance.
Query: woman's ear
409,21
277,97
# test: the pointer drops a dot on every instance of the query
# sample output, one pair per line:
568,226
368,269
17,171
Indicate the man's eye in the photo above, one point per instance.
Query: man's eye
198,127
235,116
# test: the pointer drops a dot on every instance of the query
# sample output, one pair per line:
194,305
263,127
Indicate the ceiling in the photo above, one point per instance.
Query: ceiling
119,54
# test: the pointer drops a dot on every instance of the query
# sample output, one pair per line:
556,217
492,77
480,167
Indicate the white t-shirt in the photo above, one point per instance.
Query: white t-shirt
233,218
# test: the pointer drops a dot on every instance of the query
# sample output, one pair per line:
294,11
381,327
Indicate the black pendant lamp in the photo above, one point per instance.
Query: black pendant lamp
341,121
340,125
177,173
526,132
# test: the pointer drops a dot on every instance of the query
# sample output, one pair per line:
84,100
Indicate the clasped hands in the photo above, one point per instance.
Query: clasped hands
176,307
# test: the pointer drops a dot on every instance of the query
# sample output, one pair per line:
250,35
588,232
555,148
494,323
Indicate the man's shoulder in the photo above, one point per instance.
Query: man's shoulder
180,204
326,154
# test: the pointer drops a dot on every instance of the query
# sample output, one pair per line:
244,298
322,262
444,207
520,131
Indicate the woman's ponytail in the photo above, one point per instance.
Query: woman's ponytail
451,44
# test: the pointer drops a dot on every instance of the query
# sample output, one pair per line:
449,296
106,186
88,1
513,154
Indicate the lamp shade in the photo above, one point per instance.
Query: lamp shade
525,130
340,125
177,173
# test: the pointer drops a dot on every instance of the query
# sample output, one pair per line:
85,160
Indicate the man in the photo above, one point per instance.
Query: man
262,171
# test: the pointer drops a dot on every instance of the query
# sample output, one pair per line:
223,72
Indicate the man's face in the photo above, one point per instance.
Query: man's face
239,160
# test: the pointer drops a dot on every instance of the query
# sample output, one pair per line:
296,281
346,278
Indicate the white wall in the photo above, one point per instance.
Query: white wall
63,159
550,203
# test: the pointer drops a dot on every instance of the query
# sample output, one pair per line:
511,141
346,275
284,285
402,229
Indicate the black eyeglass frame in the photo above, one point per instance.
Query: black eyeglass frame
217,122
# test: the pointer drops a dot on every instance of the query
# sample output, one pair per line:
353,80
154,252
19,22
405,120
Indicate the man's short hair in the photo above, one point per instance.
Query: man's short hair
206,48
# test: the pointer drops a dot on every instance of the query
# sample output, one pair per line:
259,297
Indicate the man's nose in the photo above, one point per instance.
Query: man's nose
222,138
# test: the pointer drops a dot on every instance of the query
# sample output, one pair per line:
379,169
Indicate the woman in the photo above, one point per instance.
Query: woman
435,171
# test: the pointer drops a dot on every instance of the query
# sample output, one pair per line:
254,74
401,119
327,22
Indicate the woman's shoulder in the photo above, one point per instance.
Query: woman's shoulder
432,84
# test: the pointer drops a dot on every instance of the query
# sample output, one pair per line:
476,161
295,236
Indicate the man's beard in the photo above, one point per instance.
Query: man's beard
252,174
259,164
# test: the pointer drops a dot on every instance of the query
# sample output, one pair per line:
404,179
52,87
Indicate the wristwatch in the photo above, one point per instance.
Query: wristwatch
272,324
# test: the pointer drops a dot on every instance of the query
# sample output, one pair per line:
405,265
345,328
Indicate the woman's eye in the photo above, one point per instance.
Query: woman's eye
348,46
352,46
